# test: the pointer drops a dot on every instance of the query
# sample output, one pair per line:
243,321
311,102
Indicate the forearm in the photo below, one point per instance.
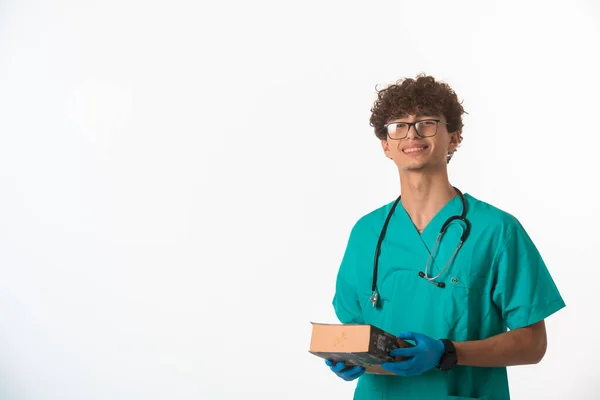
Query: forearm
518,347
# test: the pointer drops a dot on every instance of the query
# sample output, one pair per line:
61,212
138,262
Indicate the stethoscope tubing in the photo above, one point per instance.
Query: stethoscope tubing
463,238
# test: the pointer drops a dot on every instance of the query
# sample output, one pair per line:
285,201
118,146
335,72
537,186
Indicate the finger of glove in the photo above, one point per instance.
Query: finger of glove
399,365
407,336
359,372
346,378
389,366
409,364
338,367
406,352
353,373
329,363
350,378
392,367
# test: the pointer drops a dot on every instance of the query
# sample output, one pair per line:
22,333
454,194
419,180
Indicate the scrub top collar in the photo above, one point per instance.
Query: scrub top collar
426,240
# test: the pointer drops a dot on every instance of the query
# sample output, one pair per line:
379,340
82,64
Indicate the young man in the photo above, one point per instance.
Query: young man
452,294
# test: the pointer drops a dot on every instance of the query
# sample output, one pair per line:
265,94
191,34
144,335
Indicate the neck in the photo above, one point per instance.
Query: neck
423,195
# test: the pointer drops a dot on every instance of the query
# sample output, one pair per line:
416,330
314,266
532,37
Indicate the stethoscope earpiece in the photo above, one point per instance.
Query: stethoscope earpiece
441,285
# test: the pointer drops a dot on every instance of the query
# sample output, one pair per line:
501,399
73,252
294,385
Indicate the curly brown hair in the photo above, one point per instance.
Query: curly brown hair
421,95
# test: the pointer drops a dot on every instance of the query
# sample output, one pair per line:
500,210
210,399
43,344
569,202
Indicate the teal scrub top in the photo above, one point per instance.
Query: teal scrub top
497,280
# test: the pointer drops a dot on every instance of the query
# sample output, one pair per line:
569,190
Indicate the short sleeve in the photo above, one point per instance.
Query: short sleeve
345,301
524,291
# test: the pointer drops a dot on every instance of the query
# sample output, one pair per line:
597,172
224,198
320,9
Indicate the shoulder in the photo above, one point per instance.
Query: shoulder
490,216
501,229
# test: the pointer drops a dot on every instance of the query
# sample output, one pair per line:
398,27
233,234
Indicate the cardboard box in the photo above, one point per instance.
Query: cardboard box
355,344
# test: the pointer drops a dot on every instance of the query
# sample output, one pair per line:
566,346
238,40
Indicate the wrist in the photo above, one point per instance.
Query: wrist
449,357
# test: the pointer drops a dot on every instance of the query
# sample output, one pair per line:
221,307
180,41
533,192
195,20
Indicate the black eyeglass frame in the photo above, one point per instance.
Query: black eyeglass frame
413,124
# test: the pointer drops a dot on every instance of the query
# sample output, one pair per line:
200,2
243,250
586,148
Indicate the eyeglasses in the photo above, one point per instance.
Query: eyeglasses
424,128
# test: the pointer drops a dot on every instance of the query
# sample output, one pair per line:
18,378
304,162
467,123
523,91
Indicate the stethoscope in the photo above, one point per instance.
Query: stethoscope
430,279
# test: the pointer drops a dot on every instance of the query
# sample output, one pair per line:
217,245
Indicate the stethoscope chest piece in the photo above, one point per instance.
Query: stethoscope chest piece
375,298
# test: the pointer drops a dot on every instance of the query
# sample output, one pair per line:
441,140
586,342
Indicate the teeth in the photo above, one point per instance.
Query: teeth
413,149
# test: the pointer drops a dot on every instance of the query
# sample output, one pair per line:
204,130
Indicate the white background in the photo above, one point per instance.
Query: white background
178,181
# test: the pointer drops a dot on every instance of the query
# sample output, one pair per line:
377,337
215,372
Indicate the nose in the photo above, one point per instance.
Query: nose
412,132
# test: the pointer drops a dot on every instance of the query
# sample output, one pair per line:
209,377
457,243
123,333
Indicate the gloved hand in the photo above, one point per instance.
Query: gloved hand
425,355
347,374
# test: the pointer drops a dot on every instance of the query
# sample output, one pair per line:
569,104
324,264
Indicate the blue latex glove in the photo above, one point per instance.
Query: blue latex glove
425,355
347,374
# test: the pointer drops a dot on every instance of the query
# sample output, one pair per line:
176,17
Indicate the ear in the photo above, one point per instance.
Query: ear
386,148
454,141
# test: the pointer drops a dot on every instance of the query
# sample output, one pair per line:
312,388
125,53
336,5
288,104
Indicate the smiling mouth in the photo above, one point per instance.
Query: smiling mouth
414,149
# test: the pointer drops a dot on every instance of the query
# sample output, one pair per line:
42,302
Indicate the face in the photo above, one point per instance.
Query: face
416,152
